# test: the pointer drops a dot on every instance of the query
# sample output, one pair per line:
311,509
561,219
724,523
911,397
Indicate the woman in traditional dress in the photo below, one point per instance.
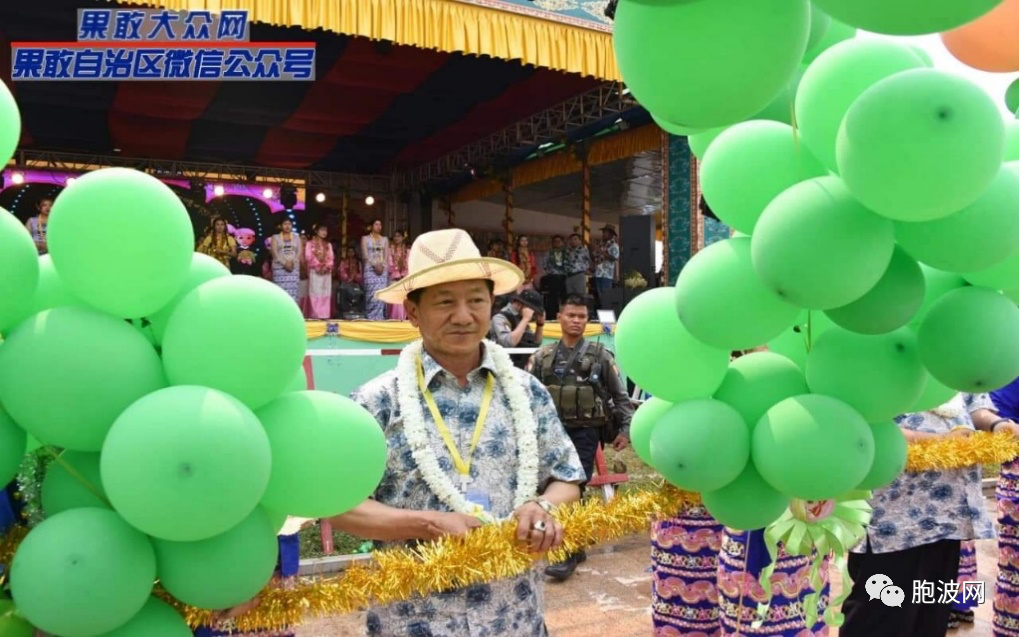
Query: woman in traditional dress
743,557
37,225
320,258
350,268
523,258
684,564
962,611
1006,590
286,259
217,242
397,271
375,252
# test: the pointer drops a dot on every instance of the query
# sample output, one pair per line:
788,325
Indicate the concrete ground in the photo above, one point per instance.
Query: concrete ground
611,595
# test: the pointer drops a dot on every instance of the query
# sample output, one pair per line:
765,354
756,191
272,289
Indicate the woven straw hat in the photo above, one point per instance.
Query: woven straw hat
444,256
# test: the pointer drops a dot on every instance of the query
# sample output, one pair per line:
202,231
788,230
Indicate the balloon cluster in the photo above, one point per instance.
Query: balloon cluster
183,435
875,239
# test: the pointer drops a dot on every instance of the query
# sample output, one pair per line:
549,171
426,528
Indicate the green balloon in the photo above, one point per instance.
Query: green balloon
700,142
1004,275
222,571
934,395
817,247
660,355
757,382
747,503
328,454
700,445
643,423
13,446
819,24
276,519
50,291
937,283
920,145
694,64
271,327
675,129
878,376
203,269
67,373
781,108
1012,141
977,237
299,382
156,619
12,624
835,80
837,32
186,463
10,126
1012,97
970,340
82,486
795,342
812,447
94,233
906,17
888,305
889,456
924,56
722,303
57,571
19,263
748,166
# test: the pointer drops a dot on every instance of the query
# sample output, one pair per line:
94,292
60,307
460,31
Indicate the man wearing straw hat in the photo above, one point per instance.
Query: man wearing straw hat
472,440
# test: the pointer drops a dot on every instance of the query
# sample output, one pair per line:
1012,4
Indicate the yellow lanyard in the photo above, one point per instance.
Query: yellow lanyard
462,467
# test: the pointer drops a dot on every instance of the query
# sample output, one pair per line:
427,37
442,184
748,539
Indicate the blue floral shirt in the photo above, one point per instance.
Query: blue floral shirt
512,607
578,260
607,257
923,508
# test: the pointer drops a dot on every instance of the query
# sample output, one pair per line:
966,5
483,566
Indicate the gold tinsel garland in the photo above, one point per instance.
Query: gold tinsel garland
976,449
484,555
491,552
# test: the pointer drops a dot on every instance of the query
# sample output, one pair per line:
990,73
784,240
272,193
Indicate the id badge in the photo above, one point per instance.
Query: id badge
480,499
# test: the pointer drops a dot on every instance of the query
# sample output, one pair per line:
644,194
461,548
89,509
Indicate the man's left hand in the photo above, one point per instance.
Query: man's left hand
621,442
528,515
1010,427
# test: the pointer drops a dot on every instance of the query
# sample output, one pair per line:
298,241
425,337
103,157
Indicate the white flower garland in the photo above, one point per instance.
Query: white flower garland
417,437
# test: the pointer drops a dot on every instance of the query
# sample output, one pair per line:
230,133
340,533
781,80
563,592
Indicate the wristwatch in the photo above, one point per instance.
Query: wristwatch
544,504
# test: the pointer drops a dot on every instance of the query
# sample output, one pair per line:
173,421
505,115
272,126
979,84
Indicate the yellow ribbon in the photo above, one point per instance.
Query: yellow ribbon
463,467
834,535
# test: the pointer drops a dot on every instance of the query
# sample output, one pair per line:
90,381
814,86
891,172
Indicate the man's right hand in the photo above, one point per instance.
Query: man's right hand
527,314
442,524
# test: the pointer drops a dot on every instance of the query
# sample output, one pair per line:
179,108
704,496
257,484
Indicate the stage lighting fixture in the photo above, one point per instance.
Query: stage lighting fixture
70,180
267,193
218,190
320,197
18,178
369,200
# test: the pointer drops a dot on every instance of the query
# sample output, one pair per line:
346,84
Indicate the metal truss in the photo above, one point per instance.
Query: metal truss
550,125
312,180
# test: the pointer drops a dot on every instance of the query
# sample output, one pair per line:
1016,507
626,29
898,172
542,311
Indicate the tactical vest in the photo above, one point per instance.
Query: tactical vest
577,401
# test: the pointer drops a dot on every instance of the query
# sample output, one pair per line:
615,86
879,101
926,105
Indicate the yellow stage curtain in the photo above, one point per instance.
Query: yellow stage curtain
444,25
604,150
388,332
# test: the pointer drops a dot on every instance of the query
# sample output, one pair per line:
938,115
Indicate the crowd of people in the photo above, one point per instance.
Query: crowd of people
317,272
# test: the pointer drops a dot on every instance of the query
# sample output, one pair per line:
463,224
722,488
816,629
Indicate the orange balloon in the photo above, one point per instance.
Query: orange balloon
989,43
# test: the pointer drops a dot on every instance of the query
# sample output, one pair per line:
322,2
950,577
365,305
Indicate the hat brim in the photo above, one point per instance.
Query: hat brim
505,276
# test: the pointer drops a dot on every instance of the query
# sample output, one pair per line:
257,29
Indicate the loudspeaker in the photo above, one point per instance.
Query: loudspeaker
637,246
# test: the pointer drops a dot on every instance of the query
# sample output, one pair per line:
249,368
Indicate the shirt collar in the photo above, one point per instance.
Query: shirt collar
432,369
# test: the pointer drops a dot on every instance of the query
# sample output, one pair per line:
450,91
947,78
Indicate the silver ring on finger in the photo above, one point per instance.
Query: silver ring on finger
539,526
